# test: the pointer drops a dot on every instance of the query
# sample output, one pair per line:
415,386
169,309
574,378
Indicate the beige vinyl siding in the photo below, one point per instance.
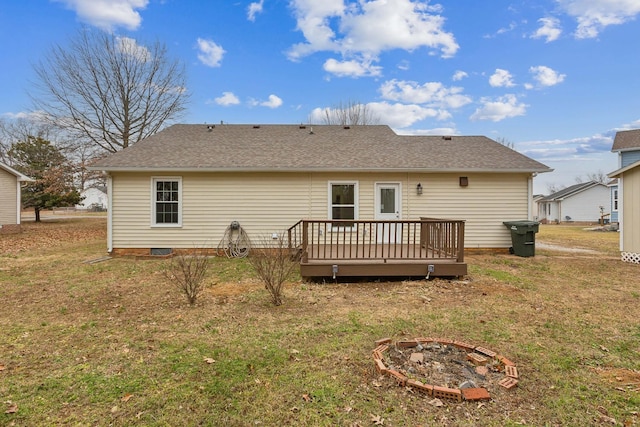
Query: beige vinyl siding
8,198
264,203
488,200
631,211
261,203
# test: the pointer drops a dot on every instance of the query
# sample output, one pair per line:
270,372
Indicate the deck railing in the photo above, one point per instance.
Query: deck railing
427,238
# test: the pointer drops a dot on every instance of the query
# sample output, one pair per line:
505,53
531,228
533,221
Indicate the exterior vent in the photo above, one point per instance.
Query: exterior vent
161,251
347,127
256,126
303,127
447,138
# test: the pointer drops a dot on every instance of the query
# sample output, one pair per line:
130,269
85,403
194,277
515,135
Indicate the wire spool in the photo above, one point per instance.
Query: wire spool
235,242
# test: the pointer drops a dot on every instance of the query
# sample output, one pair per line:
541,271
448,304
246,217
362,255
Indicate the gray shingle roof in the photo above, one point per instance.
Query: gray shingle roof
626,139
570,191
189,147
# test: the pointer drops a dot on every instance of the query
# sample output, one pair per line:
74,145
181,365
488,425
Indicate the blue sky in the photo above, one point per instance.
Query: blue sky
557,78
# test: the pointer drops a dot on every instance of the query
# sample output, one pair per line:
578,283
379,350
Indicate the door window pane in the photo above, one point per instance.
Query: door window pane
387,200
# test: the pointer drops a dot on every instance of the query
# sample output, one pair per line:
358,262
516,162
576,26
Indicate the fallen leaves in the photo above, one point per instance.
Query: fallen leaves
377,420
12,407
209,360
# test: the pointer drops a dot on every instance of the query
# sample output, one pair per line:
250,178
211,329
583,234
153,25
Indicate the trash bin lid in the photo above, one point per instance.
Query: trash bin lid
522,227
523,223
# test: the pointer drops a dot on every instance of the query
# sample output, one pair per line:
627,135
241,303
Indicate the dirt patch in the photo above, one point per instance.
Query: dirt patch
552,247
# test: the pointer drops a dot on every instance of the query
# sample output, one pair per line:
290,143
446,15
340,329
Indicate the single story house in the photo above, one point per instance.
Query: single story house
94,197
534,206
10,198
584,202
186,185
627,145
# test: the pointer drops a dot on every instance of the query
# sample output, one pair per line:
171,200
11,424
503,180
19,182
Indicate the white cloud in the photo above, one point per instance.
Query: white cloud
273,102
396,115
545,76
210,53
459,75
433,94
131,47
227,98
501,78
352,68
433,131
499,109
108,14
368,28
549,30
593,16
404,115
253,9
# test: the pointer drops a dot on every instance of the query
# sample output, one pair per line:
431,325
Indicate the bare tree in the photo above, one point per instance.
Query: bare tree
21,129
504,141
599,176
351,113
108,89
554,188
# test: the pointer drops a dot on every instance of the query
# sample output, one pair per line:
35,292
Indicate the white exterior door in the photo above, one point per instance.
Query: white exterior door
387,207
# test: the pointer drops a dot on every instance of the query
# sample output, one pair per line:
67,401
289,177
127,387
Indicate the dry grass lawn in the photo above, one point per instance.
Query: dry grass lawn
112,343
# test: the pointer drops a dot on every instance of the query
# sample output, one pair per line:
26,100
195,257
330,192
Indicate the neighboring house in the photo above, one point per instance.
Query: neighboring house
94,198
584,202
535,206
184,186
10,204
627,145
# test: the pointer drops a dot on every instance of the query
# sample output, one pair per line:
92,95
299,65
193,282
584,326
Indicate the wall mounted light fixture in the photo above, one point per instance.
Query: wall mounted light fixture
419,189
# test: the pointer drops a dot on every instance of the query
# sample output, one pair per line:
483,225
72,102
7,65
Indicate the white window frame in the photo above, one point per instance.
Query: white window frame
356,197
154,180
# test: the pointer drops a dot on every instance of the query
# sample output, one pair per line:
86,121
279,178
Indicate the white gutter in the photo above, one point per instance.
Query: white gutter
289,169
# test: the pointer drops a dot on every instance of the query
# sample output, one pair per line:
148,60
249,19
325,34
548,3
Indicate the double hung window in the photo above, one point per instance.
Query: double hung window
342,201
167,199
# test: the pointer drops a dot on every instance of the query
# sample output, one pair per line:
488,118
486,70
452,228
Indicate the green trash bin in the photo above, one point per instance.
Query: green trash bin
523,237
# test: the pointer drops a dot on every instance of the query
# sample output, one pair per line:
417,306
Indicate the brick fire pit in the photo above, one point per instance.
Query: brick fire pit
410,362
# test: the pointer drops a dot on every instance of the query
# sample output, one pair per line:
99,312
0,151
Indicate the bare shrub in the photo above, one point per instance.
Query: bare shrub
274,264
187,271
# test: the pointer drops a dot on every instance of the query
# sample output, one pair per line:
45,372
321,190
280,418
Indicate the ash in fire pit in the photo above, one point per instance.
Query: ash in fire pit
443,368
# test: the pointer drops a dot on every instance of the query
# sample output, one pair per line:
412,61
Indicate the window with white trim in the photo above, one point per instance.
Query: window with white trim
342,200
167,201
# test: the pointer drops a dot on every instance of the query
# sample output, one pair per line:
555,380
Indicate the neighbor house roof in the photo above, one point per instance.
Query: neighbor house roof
189,147
570,191
626,140
21,177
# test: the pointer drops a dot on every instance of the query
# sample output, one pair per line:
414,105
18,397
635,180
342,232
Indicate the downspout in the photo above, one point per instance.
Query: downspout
529,197
18,200
621,211
109,213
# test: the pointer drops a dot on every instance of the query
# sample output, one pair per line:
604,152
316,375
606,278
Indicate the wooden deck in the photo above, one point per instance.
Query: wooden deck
427,248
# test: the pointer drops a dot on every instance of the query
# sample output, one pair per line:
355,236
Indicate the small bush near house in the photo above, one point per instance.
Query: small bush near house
273,264
187,272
